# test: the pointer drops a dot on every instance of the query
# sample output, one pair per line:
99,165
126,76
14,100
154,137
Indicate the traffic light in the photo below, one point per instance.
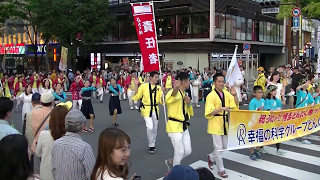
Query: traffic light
269,4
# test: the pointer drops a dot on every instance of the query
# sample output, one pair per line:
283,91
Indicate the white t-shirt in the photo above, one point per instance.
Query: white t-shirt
106,176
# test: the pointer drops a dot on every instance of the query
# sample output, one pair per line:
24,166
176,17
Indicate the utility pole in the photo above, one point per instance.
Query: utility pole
297,58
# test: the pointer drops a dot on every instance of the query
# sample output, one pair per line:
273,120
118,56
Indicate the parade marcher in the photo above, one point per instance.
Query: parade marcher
26,99
113,155
195,90
47,87
130,83
261,79
304,99
316,94
18,90
168,80
114,101
34,81
100,85
179,113
75,92
219,103
151,95
275,80
86,107
207,86
93,80
272,103
6,86
59,95
122,83
256,104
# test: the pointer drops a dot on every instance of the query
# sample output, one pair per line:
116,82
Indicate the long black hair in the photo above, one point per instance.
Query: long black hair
15,163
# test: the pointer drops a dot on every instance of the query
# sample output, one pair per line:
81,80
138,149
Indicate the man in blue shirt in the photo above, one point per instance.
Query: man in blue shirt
5,113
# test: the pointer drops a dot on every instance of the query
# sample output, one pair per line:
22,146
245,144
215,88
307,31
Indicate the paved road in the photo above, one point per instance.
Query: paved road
300,161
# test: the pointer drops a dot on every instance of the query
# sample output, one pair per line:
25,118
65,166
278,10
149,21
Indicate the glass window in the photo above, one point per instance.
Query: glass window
243,28
220,26
233,27
228,26
113,2
261,31
200,25
281,34
238,28
269,30
127,30
265,35
184,26
249,29
166,26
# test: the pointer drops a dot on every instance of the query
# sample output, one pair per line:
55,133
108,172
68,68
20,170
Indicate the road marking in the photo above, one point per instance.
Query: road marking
313,147
271,167
294,156
313,137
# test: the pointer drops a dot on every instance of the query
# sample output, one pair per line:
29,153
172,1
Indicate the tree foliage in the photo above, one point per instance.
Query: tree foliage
310,8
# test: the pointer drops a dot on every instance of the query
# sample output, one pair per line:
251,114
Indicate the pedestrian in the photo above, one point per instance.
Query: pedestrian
130,83
93,80
316,94
34,82
86,107
59,95
179,113
275,80
27,124
304,99
47,86
25,97
272,103
207,86
114,102
113,156
5,114
72,158
218,104
151,95
75,92
6,86
15,159
182,172
168,80
256,104
195,89
47,137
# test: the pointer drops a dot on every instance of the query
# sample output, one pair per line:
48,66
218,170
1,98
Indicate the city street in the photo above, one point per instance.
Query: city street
299,162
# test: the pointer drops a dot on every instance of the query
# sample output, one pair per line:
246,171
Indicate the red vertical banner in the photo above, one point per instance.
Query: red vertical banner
145,26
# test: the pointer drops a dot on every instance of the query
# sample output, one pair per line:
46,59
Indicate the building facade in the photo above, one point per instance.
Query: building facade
200,33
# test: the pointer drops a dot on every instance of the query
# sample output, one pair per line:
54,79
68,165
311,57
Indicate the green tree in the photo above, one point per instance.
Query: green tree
310,8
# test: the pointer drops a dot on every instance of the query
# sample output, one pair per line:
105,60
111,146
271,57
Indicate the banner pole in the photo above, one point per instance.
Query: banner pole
160,73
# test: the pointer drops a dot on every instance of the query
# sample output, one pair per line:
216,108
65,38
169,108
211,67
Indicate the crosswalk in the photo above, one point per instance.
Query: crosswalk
300,162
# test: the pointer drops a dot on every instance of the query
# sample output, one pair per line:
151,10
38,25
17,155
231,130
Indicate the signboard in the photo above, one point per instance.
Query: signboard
246,48
270,10
296,12
295,28
296,22
13,49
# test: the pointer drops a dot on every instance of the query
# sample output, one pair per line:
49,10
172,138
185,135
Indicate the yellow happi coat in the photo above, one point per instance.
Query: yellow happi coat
175,110
218,124
144,93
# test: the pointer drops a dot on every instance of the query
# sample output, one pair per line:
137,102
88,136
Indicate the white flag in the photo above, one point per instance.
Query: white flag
234,73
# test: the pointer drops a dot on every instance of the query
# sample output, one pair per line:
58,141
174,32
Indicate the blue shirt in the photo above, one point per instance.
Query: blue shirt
256,104
6,129
272,104
317,99
305,97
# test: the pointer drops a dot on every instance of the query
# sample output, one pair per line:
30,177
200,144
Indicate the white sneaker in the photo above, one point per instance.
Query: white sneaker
280,152
197,105
131,108
304,141
136,107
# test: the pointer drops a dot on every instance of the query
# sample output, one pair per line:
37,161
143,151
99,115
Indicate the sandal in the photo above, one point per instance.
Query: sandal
210,163
85,130
91,129
223,174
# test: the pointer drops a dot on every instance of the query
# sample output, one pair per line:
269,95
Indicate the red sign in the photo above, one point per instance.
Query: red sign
296,12
145,26
12,49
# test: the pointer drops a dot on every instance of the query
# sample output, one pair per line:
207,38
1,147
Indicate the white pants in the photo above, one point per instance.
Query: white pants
75,102
124,96
195,94
181,144
219,143
152,129
100,93
130,94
